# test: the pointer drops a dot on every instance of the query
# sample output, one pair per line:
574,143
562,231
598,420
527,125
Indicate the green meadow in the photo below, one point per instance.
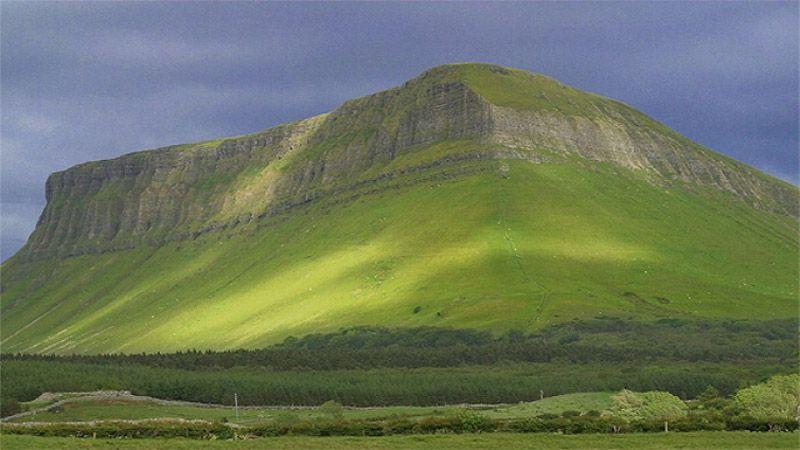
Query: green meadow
123,409
512,245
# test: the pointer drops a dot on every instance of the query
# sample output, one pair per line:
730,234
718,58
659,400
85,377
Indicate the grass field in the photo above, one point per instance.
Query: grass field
660,441
133,410
543,244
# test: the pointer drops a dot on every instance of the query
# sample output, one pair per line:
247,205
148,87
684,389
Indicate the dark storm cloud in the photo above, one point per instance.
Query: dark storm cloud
84,81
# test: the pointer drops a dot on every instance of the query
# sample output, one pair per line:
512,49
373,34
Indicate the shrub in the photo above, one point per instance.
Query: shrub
530,425
402,426
695,422
361,428
268,430
750,423
778,397
332,408
475,423
465,423
647,406
437,425
115,430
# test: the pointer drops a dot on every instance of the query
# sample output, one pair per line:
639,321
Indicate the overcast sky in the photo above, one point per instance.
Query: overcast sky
87,81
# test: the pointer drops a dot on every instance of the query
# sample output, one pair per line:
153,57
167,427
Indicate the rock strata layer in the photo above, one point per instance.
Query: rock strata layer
169,193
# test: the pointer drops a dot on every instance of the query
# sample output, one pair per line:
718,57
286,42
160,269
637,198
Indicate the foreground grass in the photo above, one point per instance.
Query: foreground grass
700,440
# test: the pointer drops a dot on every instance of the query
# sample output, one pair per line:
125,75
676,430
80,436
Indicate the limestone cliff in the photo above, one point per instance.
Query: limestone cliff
180,191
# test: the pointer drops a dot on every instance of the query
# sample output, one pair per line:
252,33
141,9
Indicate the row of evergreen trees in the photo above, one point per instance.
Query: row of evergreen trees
25,380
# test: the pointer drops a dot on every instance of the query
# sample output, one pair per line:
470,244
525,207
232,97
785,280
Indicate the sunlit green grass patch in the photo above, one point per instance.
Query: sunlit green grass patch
522,248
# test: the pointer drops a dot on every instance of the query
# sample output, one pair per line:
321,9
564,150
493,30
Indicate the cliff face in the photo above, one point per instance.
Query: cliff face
181,191
151,195
665,157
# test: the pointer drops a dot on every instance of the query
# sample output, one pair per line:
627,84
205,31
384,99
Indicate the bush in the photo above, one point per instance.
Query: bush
471,423
698,423
530,425
778,397
361,428
332,408
116,430
750,423
268,430
437,425
647,406
475,423
402,426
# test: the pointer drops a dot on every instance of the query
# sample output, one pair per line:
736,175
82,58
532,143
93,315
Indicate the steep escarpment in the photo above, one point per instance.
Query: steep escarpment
174,192
638,143
152,194
171,193
533,111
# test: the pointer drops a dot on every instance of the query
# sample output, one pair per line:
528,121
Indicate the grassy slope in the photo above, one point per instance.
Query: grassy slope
656,441
135,410
125,410
544,243
581,402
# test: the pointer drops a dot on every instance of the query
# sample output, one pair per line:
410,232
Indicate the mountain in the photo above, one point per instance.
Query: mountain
472,196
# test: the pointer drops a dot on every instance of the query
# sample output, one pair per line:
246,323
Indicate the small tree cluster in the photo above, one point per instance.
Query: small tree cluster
647,406
778,397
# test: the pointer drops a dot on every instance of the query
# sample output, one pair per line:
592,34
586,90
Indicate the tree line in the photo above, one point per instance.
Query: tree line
501,383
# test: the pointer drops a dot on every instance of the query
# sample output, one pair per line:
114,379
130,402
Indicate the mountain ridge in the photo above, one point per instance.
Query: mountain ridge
461,112
471,196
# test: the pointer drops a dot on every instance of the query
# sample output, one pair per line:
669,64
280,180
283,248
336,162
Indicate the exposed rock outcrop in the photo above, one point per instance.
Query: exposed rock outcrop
173,192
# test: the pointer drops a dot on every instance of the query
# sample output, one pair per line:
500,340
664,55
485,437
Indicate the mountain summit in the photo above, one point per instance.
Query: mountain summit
471,196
